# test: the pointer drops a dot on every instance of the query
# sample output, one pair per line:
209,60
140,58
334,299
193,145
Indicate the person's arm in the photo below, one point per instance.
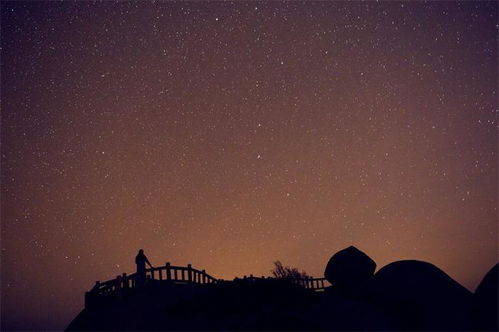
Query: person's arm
147,261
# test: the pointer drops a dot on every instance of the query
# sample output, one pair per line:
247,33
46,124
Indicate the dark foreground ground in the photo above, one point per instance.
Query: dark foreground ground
405,295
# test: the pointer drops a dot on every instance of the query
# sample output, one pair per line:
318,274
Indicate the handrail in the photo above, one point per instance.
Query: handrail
183,275
316,284
180,274
168,272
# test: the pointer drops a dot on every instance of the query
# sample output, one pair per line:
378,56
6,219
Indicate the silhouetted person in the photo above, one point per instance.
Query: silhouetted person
140,261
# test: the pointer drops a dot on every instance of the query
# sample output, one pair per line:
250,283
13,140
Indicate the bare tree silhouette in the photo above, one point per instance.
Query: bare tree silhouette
281,271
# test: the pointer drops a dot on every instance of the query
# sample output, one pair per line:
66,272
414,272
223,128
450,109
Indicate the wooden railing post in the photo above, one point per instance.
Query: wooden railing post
96,287
117,284
204,277
124,281
189,272
168,271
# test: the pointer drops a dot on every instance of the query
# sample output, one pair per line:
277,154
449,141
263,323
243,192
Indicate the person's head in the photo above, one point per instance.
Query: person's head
141,251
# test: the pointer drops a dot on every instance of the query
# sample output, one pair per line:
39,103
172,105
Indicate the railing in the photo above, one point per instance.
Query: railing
112,286
179,275
315,284
168,272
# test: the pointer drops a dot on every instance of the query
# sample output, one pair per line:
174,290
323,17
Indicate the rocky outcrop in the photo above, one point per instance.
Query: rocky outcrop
420,296
349,268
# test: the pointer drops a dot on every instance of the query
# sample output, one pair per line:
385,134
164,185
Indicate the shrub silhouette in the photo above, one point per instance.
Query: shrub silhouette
282,272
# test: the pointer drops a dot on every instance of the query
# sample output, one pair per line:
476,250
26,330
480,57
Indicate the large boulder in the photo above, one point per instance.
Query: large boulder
420,296
485,302
349,268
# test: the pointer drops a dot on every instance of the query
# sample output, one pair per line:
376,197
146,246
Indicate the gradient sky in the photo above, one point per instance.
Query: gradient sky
229,135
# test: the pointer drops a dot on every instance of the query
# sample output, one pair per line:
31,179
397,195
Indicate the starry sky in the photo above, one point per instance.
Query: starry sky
233,134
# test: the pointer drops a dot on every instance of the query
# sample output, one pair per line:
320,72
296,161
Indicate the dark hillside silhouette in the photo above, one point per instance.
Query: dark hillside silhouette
404,295
485,302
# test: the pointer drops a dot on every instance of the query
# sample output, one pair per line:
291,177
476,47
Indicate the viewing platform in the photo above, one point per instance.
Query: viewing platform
180,275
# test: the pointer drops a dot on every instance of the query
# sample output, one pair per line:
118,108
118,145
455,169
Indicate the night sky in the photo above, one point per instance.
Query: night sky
233,134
